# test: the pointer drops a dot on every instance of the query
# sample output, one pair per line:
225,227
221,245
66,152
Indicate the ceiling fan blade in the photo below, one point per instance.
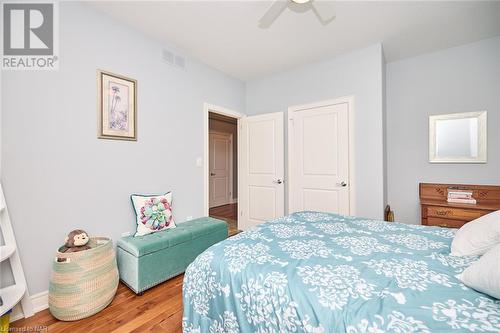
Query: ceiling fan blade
324,10
272,13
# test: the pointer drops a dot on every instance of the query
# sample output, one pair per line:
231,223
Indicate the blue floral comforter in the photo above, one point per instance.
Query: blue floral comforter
318,272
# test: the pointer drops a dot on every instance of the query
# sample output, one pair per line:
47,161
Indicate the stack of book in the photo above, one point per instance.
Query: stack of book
461,196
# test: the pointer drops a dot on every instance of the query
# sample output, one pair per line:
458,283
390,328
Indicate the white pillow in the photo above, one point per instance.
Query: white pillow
478,236
484,274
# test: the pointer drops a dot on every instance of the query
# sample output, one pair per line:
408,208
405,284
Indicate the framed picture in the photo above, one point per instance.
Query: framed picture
117,110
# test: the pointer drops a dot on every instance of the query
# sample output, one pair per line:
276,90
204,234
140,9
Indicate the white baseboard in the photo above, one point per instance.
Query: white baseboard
233,200
40,302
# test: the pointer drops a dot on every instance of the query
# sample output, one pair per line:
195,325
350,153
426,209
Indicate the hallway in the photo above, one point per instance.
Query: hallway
228,213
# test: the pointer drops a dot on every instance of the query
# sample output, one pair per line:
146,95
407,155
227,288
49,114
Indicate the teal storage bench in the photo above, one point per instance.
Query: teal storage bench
146,261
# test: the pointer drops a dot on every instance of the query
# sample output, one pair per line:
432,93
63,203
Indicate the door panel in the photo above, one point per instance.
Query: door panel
262,203
317,139
220,187
220,152
261,194
319,159
320,200
261,135
219,168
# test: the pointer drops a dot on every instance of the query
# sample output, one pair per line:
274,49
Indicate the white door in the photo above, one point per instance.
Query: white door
220,160
261,194
319,159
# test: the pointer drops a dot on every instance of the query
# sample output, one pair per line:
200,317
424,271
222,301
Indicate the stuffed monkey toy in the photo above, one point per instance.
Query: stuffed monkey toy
76,241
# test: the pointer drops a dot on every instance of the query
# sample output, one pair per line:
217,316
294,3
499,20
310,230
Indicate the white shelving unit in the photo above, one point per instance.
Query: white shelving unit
17,292
6,251
11,295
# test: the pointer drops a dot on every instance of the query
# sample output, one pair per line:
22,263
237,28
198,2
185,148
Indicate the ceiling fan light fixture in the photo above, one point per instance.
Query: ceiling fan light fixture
324,10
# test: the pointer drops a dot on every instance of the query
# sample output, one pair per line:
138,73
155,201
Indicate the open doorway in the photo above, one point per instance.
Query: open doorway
221,166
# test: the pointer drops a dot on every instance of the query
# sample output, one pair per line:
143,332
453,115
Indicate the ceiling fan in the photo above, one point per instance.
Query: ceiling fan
324,10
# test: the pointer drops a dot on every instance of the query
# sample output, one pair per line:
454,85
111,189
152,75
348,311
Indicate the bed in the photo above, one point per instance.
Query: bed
318,272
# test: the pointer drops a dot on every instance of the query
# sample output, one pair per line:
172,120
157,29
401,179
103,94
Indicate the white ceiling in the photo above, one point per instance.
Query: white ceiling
225,35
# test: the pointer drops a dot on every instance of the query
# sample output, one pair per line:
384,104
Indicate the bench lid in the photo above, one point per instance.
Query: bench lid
183,232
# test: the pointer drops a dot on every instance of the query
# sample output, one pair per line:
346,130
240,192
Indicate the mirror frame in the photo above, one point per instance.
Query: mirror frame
482,138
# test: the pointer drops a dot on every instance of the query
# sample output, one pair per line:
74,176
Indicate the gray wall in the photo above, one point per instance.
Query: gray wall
460,79
58,176
225,127
358,73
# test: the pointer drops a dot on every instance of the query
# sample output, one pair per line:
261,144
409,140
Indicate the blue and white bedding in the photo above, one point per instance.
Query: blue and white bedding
317,272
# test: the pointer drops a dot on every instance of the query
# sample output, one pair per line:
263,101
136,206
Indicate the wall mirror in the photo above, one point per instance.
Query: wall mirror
458,138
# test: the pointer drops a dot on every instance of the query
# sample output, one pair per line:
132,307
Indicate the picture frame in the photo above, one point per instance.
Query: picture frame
458,138
117,106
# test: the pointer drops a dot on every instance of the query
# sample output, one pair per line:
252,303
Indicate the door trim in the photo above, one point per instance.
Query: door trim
352,184
207,107
231,164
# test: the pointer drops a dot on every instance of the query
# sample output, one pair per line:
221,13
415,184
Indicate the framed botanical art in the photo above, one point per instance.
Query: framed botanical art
117,110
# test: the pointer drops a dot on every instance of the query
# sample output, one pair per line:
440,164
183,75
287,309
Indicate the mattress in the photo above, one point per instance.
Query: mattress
319,272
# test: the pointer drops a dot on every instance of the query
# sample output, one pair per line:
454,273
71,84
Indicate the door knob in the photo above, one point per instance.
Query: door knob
278,181
343,184
212,174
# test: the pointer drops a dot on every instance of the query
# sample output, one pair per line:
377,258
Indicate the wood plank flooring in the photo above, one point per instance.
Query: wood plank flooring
228,213
158,310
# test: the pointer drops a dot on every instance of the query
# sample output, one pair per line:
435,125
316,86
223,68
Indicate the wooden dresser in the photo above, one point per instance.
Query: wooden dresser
437,211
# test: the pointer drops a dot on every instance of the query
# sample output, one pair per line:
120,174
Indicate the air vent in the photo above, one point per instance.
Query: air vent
180,62
168,57
173,59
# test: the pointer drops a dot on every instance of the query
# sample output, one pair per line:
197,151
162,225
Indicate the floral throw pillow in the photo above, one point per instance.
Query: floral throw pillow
154,213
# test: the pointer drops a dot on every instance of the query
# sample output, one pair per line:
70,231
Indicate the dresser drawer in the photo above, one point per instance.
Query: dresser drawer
439,222
455,213
436,210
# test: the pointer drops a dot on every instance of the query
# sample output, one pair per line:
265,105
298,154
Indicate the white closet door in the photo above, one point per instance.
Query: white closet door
261,193
319,159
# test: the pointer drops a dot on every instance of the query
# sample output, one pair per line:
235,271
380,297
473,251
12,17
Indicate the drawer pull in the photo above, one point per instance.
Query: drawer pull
442,213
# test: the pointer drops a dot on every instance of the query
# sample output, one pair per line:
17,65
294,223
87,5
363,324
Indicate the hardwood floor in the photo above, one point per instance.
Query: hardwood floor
228,213
158,310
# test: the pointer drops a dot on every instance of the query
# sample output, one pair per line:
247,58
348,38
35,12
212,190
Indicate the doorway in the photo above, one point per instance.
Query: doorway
258,168
221,165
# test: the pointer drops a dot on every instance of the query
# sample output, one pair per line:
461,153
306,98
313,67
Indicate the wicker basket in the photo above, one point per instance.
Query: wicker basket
85,283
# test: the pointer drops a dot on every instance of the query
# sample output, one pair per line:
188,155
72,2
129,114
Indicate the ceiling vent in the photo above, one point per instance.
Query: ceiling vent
173,59
180,62
168,57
